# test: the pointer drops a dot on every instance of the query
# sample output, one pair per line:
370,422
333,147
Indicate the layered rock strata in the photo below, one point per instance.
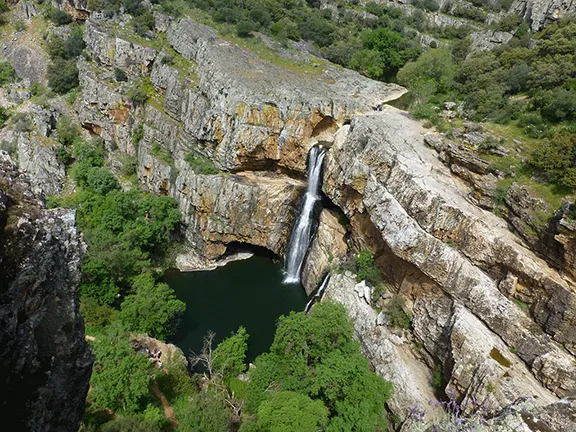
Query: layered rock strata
461,270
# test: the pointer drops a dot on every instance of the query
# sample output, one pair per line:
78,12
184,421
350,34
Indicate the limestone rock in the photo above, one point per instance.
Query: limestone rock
489,39
45,363
540,13
403,202
29,63
329,243
38,159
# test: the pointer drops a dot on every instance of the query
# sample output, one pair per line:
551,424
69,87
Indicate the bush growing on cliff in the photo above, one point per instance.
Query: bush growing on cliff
366,269
59,17
7,73
200,164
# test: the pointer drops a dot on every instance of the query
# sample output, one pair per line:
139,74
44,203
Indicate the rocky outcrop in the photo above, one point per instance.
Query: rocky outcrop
540,13
406,207
329,243
489,39
45,363
243,112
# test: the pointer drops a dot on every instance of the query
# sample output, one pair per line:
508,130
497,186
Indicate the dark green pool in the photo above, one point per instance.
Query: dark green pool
248,293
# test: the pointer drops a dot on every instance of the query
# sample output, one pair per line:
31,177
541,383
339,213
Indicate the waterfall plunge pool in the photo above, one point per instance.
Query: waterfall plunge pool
247,293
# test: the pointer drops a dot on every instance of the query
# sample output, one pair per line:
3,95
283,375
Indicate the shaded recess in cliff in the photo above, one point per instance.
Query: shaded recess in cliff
45,364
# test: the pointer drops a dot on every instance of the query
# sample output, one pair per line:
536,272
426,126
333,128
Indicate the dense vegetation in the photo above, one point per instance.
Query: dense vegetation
532,88
62,70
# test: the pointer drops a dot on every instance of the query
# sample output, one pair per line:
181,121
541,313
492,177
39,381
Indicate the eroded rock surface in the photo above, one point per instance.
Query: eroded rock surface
45,363
540,13
404,205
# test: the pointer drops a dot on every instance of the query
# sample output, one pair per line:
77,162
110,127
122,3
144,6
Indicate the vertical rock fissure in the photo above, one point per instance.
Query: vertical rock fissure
306,223
318,297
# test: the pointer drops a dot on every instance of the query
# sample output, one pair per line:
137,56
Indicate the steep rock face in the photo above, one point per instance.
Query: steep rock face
241,111
329,243
45,363
404,205
540,13
220,102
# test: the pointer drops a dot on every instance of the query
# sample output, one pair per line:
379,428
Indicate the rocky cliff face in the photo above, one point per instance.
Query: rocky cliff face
215,100
45,364
466,277
540,13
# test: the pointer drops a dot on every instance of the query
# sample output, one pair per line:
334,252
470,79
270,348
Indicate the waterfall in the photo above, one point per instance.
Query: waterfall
304,227
318,296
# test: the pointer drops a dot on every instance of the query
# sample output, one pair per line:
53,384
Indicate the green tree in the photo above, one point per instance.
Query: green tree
153,309
7,73
100,180
120,377
203,412
286,411
557,159
432,73
59,17
230,354
62,75
317,356
68,131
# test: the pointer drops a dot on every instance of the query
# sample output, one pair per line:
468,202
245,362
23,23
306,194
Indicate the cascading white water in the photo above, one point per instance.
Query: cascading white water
302,230
319,294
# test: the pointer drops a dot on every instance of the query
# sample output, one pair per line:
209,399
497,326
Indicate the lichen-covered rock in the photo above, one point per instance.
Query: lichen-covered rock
403,202
489,39
540,13
45,363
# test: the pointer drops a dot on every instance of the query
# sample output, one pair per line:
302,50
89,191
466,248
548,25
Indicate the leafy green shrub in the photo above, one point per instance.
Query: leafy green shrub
152,309
366,269
500,194
138,134
39,89
100,180
397,316
63,75
316,356
59,17
200,164
4,116
534,125
74,43
120,377
244,29
7,73
230,354
138,94
144,23
68,131
557,159
162,153
96,314
438,377
204,412
120,75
